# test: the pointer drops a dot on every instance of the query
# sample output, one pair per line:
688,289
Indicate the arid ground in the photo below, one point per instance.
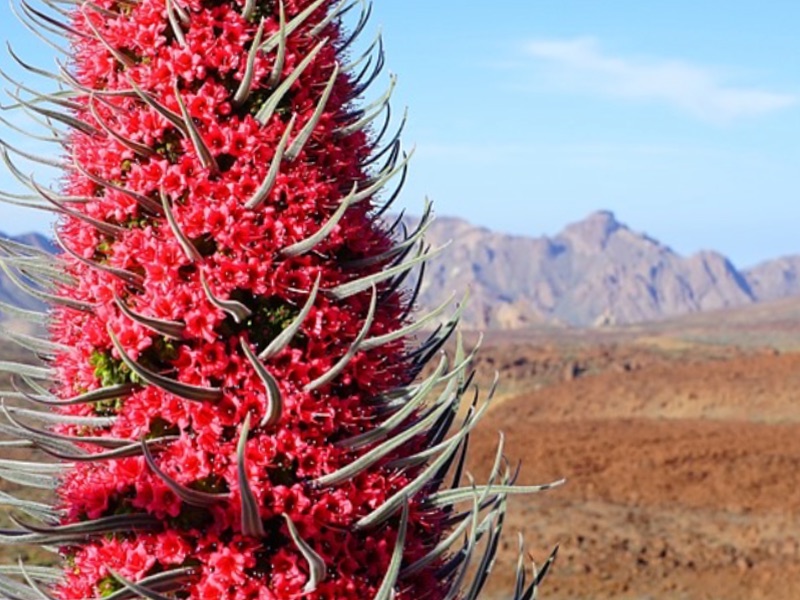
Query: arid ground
682,456
681,446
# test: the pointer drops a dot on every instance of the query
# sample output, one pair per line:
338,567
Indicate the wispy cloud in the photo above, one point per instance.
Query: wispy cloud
581,63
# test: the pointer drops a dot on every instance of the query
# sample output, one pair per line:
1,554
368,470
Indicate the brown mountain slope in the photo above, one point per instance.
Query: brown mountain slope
596,271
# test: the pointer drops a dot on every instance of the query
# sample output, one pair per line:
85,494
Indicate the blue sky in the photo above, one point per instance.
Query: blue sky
682,117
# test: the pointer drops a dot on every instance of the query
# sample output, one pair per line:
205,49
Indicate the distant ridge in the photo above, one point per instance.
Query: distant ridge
596,272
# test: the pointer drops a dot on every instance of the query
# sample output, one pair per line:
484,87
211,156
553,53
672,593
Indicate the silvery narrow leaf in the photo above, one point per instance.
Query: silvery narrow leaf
46,437
412,402
409,240
37,510
50,139
133,449
440,549
268,109
185,243
305,133
531,592
177,30
43,160
390,506
366,55
41,373
14,443
406,331
274,408
487,561
136,147
49,574
133,279
374,65
519,583
260,195
337,11
110,230
312,241
100,526
28,439
201,148
445,406
60,117
44,296
448,446
250,9
66,30
382,178
34,480
166,581
29,67
16,590
387,589
25,466
381,451
145,202
284,337
33,343
162,110
366,12
170,329
340,365
141,590
45,27
294,24
187,495
33,583
20,249
22,313
350,288
237,310
243,92
377,108
194,393
121,390
316,566
251,516
448,497
280,56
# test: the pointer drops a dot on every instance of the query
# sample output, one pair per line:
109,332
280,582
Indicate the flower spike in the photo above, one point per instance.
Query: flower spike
226,263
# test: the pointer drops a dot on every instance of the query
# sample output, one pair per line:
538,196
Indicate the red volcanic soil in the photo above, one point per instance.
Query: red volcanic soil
682,467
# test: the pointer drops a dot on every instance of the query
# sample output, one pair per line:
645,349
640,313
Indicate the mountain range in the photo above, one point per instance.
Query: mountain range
595,272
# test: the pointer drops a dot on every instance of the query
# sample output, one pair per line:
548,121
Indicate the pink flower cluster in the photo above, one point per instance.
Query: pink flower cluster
129,158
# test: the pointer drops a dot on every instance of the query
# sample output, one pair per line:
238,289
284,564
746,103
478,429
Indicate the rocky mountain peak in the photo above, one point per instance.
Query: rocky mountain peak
594,232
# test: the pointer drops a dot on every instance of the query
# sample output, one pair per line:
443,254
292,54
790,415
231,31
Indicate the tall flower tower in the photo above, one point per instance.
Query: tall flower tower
233,401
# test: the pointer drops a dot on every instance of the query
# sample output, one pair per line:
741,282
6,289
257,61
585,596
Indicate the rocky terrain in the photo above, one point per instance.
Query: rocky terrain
595,272
680,457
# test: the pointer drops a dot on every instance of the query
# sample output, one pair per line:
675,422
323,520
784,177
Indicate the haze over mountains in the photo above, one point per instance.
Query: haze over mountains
595,272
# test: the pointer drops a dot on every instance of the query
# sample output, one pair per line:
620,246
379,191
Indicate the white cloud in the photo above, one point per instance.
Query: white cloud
581,63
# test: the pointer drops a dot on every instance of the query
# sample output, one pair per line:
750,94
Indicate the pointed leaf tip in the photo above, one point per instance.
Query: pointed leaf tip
251,516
